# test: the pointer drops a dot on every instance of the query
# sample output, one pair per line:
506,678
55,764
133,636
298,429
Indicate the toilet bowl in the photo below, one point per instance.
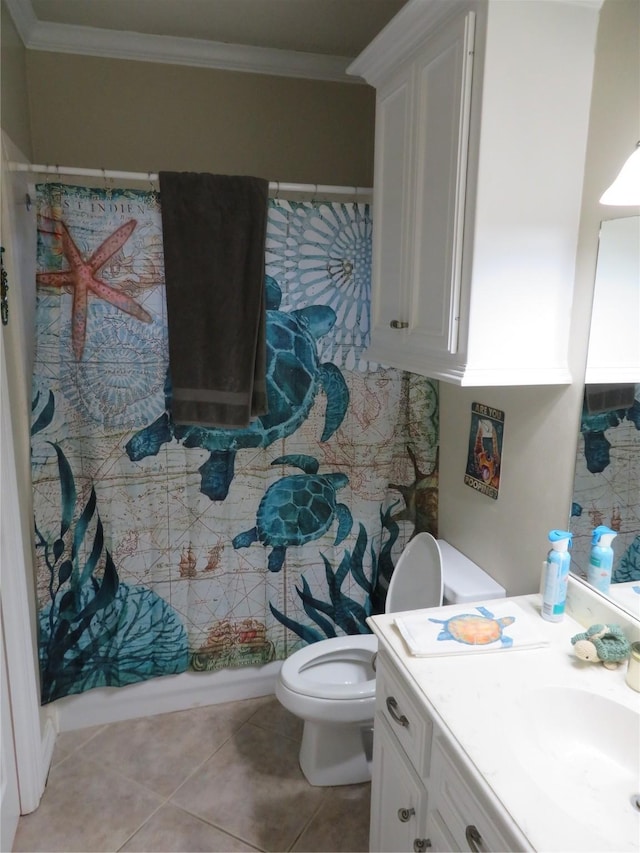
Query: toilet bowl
331,684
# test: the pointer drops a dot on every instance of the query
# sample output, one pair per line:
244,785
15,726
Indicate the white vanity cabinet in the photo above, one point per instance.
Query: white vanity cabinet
481,123
421,796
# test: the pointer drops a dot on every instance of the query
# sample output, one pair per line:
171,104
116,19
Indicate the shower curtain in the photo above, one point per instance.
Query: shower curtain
164,547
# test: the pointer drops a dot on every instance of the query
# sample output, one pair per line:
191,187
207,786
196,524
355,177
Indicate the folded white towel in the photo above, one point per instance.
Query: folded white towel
465,628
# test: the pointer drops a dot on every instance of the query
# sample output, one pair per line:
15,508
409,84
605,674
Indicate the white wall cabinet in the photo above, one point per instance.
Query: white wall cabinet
421,797
481,120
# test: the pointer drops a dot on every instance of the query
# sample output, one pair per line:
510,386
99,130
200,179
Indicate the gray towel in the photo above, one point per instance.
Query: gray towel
214,232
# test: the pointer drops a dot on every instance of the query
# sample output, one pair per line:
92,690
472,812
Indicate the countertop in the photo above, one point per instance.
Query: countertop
485,703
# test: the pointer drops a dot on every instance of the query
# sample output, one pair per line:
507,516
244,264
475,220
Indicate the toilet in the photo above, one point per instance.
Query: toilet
331,684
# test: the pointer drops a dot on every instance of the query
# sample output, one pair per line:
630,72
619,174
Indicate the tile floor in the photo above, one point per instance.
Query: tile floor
218,778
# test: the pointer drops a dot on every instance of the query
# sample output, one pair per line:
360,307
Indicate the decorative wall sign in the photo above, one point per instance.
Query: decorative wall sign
485,450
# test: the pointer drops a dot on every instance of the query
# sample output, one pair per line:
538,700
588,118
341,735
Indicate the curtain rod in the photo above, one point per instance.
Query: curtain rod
275,187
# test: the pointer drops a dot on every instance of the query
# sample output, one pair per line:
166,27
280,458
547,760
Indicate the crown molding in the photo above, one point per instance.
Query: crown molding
413,23
200,53
23,17
403,34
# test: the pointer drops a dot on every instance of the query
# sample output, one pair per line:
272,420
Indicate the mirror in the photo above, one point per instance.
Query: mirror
607,478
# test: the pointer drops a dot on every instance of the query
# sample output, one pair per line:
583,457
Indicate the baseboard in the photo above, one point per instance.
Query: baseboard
48,743
163,695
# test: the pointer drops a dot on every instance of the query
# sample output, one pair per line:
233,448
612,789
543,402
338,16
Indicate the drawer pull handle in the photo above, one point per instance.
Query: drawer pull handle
421,844
405,814
399,324
392,707
474,839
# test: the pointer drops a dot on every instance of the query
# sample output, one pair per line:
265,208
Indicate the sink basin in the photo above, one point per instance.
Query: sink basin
582,750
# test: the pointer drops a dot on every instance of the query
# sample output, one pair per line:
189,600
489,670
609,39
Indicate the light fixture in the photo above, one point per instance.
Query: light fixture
625,190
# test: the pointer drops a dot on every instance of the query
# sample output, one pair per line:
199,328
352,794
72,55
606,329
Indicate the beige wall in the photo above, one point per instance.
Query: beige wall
144,116
14,111
508,537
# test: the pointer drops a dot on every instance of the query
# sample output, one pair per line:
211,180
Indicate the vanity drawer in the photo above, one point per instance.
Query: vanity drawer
406,718
465,812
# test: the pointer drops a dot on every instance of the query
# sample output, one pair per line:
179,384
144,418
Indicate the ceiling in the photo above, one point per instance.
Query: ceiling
308,38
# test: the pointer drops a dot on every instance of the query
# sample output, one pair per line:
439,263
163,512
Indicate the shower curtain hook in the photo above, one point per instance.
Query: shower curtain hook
315,194
277,190
107,186
152,185
56,197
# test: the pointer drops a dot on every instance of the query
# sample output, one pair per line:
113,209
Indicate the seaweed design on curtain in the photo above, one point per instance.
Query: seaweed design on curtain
164,547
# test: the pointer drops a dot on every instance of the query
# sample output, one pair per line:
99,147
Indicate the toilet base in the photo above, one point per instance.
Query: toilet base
335,754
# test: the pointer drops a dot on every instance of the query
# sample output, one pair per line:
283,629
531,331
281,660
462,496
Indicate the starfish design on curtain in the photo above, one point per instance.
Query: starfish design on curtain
82,277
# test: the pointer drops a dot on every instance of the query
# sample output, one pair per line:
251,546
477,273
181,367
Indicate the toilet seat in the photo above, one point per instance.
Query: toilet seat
310,672
331,684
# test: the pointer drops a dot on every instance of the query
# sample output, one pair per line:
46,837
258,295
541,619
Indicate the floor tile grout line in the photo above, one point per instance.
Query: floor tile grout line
142,784
95,763
252,722
272,731
218,827
202,763
144,823
321,804
81,746
196,770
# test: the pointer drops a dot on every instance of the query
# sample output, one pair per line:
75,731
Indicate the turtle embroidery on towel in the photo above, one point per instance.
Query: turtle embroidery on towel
474,630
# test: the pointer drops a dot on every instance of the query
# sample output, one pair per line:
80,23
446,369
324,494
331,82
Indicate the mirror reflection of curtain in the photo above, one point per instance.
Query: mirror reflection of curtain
607,477
163,547
607,491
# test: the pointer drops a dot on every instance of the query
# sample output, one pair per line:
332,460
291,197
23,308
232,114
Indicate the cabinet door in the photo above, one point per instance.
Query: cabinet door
443,83
461,811
398,797
393,189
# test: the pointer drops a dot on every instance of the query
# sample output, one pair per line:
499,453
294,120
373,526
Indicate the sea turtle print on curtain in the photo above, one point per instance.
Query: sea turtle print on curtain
294,377
163,547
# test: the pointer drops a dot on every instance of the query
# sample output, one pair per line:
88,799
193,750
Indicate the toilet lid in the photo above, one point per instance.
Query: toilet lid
333,669
416,581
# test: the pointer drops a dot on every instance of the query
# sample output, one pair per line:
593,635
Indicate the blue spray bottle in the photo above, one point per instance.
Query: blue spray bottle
601,559
556,576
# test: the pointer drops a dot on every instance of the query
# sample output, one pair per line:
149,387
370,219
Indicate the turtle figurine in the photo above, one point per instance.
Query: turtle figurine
606,643
474,630
297,509
294,375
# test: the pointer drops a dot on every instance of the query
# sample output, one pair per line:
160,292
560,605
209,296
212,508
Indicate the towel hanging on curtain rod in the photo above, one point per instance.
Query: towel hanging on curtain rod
275,187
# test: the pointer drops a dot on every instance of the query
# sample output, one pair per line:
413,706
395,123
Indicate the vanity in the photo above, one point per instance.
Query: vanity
512,750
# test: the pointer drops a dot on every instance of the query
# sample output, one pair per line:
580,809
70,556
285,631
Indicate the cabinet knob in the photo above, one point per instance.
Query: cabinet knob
399,324
392,707
405,814
421,844
474,839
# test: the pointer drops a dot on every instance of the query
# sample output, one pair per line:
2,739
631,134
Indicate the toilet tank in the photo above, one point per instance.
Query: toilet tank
463,579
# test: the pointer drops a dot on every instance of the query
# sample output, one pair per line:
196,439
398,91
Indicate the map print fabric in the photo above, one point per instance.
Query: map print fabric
163,547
